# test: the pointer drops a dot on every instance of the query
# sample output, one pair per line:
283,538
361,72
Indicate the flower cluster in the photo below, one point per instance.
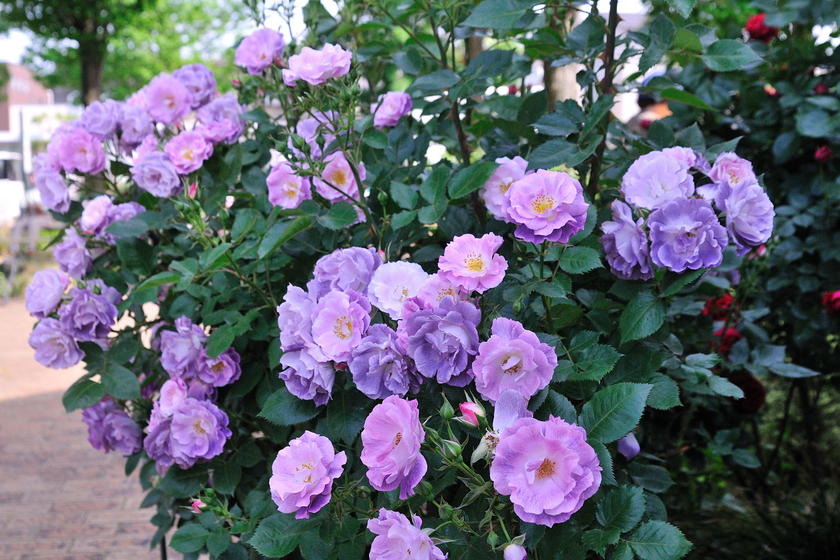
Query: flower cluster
111,429
543,205
676,225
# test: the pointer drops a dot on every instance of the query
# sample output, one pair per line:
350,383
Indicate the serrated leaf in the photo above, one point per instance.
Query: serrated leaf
498,14
277,536
471,178
622,508
339,216
226,476
599,539
684,7
280,233
651,477
593,363
220,340
217,542
561,407
284,409
402,219
135,227
726,55
159,279
681,282
614,411
189,538
120,382
665,393
579,260
82,394
642,317
686,98
404,195
657,540
606,461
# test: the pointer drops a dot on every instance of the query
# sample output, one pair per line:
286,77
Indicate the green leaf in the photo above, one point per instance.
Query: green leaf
282,232
82,394
339,216
433,189
220,340
209,259
593,363
277,536
120,382
792,370
135,227
614,411
402,219
683,7
226,476
642,317
404,195
435,81
681,282
189,538
587,38
599,539
471,178
606,461
621,508
814,123
665,393
579,260
559,406
600,109
657,540
284,409
686,98
556,124
725,388
498,14
661,35
726,55
159,279
651,477
218,542
557,151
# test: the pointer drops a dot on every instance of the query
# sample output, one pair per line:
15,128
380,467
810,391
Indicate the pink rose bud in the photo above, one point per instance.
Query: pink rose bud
198,506
821,89
236,83
191,190
471,412
823,154
515,552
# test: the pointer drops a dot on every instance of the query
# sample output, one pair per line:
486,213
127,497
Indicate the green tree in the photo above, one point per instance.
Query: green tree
74,40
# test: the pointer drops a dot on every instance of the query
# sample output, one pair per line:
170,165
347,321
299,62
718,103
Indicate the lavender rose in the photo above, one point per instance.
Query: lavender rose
317,66
199,81
397,538
166,99
72,255
685,234
155,174
195,430
546,206
380,367
656,178
222,119
257,51
88,315
391,440
182,348
111,429
472,263
626,244
339,322
493,191
222,370
749,216
344,270
306,377
53,190
81,151
45,291
546,468
302,474
393,283
286,188
101,118
54,348
135,125
441,340
391,108
188,150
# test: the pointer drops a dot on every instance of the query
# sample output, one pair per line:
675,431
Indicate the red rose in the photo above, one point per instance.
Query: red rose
823,154
759,31
718,308
831,303
726,340
821,89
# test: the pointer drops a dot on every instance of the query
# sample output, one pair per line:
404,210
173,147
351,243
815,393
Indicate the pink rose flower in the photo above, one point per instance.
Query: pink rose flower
258,50
188,151
472,263
285,188
391,108
493,191
317,66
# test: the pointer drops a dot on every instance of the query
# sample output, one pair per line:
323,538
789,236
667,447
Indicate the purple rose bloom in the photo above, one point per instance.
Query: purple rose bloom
45,291
154,173
96,215
393,283
88,315
111,429
72,255
188,150
441,340
688,158
512,358
398,538
493,191
306,377
656,178
125,211
81,151
286,188
391,441
344,270
729,169
436,287
225,113
101,118
514,552
317,66
391,108
53,190
546,468
339,322
182,348
222,370
167,100
294,319
200,82
472,263
546,206
626,244
629,446
192,430
54,348
258,50
337,181
685,234
302,474
135,125
749,216
380,367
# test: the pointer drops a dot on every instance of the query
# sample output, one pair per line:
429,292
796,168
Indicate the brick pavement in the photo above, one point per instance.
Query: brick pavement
59,498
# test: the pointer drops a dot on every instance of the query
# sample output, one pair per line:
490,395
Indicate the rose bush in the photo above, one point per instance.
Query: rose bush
284,259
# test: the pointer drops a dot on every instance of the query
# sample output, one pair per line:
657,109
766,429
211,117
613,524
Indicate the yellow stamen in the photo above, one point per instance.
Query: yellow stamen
343,328
542,203
545,469
474,263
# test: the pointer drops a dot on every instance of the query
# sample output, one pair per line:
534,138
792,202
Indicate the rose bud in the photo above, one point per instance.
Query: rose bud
822,154
629,446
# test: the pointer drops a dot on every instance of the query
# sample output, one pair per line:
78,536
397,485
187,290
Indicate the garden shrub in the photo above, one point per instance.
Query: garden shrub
355,349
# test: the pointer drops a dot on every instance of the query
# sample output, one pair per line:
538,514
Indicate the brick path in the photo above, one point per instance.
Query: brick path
59,498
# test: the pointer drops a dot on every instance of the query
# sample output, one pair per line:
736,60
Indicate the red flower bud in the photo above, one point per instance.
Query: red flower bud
831,303
822,154
821,89
759,31
719,308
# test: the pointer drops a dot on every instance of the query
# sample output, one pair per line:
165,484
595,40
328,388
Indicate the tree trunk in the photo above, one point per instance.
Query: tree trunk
91,62
560,82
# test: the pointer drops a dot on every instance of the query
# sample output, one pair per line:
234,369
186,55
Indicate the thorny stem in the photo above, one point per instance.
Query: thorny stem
606,87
